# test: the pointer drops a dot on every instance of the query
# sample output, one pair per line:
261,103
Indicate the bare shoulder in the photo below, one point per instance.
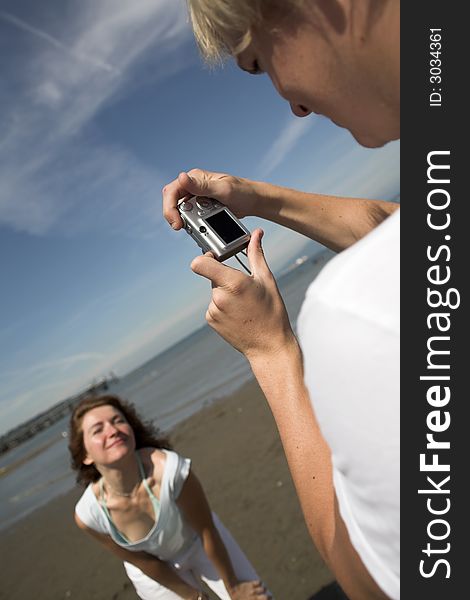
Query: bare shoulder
95,486
81,525
79,522
154,461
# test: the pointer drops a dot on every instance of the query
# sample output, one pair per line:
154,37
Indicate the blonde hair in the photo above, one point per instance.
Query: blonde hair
222,28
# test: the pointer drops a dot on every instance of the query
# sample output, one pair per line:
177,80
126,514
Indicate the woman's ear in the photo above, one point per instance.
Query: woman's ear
87,460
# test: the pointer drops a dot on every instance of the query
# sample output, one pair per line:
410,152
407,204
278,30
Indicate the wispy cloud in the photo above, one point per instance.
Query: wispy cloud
151,338
55,365
9,18
64,79
54,373
22,406
293,130
74,373
26,391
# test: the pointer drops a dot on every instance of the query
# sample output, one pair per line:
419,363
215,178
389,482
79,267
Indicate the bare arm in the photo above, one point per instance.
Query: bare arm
150,565
333,221
195,507
249,313
280,376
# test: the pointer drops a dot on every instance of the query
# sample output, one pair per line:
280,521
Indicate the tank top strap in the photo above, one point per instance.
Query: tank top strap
102,500
153,498
120,536
141,466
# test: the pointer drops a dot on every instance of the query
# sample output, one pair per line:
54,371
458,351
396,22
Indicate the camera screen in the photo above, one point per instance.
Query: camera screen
223,224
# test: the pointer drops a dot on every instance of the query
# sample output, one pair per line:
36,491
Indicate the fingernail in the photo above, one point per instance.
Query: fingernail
173,225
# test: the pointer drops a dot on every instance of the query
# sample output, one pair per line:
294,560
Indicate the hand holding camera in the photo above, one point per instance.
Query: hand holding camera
247,311
239,195
213,226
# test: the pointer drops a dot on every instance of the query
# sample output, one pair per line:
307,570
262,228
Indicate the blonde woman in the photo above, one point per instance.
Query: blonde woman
334,393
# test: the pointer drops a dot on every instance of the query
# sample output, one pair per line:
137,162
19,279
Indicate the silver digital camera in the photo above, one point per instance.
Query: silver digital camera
213,227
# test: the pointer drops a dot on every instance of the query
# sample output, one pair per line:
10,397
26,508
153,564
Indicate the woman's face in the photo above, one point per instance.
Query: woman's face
319,63
107,436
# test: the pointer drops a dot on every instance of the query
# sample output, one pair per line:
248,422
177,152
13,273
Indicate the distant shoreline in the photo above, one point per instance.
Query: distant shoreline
24,459
237,454
28,429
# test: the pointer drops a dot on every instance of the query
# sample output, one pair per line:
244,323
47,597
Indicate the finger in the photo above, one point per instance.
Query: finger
259,590
261,593
257,587
220,275
204,183
195,183
211,256
171,194
255,253
212,313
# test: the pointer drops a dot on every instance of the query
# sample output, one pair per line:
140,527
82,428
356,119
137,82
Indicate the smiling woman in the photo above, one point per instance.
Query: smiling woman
146,506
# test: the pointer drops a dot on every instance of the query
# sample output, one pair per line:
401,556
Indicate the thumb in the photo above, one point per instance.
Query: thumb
219,274
200,183
255,253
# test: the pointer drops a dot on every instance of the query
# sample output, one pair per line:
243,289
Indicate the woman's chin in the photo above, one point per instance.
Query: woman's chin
369,141
376,139
120,451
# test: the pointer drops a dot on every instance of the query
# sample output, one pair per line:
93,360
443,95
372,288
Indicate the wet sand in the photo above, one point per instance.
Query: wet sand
237,455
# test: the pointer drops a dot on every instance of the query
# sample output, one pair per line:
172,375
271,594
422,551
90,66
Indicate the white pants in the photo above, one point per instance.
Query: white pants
193,567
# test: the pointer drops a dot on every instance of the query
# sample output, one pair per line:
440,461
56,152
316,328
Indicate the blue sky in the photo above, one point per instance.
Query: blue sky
102,103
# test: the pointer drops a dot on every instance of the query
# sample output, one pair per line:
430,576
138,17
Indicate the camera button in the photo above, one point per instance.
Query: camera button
202,229
186,206
201,213
203,203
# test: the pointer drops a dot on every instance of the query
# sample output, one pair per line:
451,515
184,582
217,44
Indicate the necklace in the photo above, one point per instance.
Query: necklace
123,494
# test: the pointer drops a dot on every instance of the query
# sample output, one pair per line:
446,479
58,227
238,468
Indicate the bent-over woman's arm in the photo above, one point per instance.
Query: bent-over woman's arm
154,568
194,504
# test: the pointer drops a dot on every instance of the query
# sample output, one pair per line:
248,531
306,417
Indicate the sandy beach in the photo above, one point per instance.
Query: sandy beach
236,453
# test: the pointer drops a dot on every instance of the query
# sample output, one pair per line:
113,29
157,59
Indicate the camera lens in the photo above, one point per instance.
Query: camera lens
202,229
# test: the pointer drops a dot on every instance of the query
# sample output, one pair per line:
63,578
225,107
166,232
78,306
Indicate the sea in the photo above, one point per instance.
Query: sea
194,373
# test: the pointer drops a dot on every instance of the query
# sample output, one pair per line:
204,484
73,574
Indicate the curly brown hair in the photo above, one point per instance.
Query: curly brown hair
146,434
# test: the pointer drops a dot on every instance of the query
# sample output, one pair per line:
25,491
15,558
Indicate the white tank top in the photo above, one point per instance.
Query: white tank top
349,330
170,536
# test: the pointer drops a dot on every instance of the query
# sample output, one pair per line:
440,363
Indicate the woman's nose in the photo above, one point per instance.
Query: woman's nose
112,429
299,110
